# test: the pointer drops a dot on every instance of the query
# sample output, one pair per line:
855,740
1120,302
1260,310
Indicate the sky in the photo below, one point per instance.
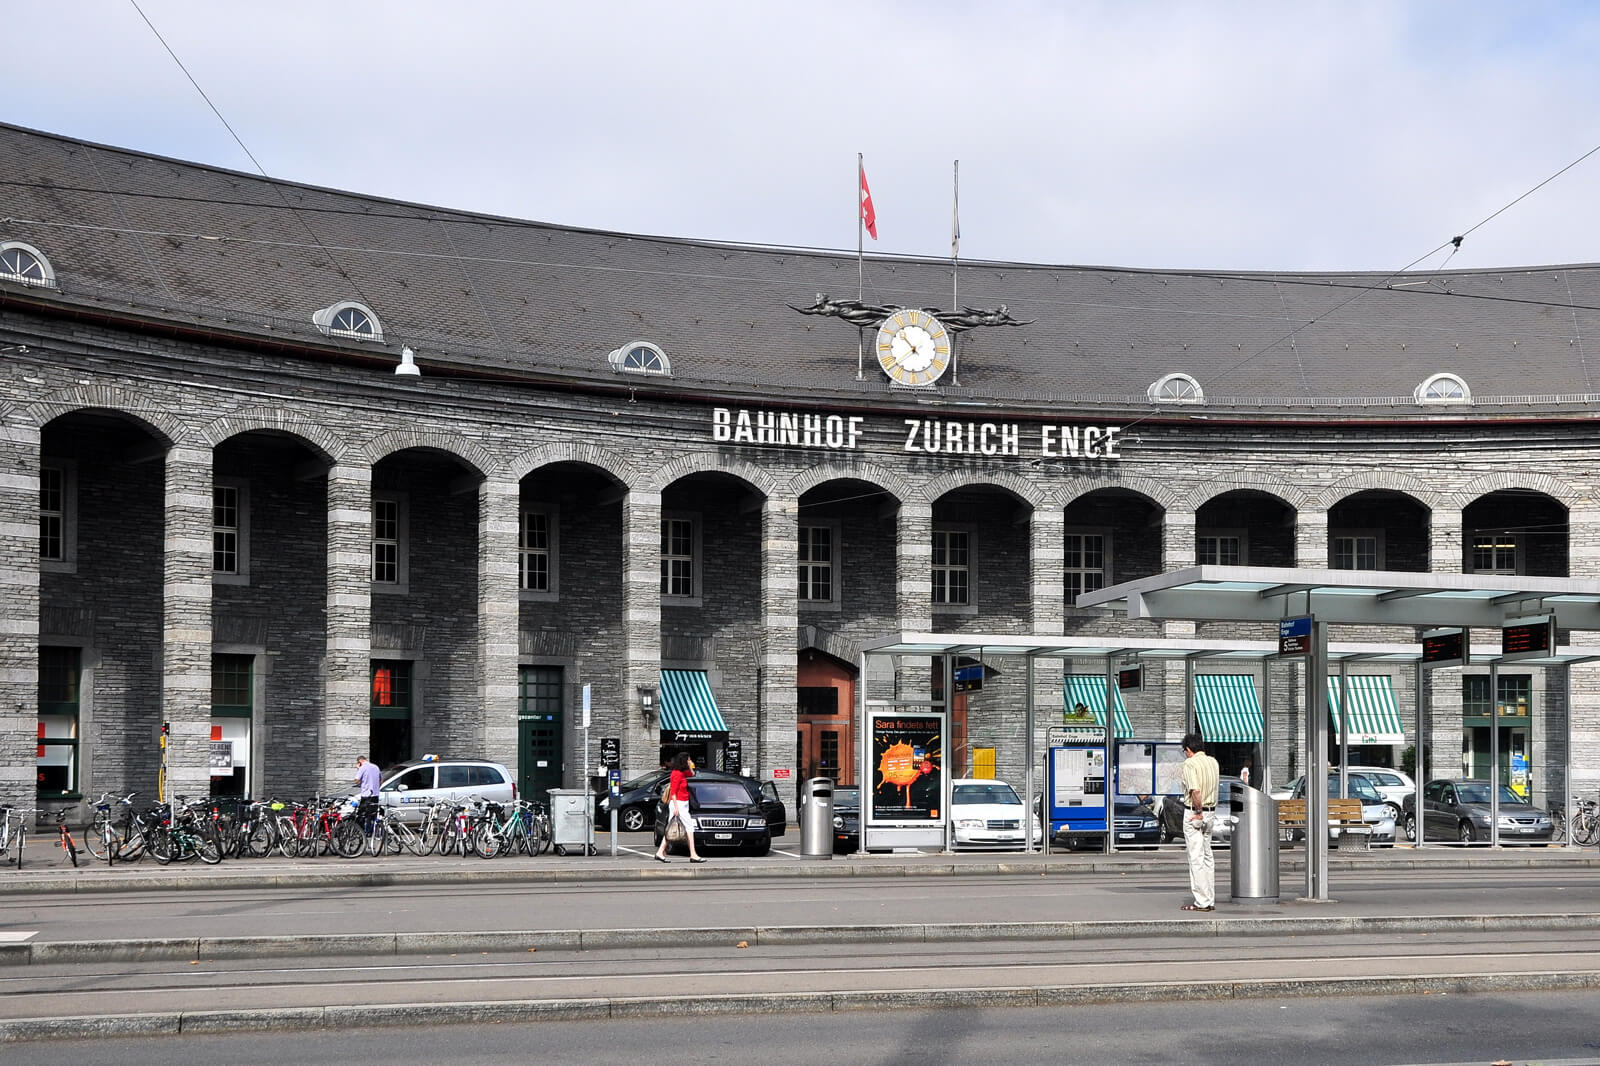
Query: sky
1311,135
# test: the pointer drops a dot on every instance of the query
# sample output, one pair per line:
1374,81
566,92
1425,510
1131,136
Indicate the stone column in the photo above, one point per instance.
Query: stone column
914,567
19,615
780,619
1311,540
641,629
186,621
1444,542
499,522
1046,546
346,726
1177,552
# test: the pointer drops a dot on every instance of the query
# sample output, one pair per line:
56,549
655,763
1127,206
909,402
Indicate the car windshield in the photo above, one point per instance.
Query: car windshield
986,793
1358,788
847,798
721,793
1478,792
644,782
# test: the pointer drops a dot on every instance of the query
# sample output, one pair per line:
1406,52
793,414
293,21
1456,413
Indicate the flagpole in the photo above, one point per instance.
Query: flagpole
861,284
955,264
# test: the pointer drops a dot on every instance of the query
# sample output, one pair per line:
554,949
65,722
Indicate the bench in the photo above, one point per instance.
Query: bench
1345,814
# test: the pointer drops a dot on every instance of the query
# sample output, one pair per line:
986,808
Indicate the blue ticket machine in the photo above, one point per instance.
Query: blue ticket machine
1076,782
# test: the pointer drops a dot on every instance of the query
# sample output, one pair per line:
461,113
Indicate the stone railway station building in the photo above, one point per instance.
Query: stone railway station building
628,466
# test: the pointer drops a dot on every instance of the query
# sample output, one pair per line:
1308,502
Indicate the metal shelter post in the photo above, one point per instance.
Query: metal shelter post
1027,762
1263,772
1316,776
1419,766
1494,753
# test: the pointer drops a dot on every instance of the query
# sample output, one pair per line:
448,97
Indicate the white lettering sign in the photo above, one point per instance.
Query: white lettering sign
922,436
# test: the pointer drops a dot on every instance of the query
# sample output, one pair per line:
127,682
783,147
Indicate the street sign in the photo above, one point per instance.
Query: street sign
781,773
584,724
1294,636
611,752
969,678
1445,647
1528,638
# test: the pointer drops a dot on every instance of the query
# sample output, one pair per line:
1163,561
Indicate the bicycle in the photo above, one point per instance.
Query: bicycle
64,840
102,838
14,831
1584,826
181,836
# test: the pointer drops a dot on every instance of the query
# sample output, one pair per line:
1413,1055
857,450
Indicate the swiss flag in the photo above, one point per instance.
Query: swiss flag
868,216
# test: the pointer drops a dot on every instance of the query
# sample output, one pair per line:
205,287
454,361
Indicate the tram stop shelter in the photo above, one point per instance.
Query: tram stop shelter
1428,602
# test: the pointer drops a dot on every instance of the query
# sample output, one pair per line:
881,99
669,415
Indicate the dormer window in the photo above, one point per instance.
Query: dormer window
1443,388
1176,388
641,357
25,263
349,319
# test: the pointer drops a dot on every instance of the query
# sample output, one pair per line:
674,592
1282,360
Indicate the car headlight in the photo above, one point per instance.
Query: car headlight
838,821
1148,823
755,823
969,823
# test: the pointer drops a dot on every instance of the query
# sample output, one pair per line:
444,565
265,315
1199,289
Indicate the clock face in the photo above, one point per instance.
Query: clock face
913,348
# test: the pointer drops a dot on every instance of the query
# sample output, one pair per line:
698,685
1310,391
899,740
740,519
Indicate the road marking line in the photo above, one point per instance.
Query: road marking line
18,936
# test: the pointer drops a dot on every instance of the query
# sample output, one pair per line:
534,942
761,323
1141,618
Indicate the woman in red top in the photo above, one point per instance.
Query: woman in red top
678,805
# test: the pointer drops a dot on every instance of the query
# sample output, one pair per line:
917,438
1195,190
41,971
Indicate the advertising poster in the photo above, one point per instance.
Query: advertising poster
907,767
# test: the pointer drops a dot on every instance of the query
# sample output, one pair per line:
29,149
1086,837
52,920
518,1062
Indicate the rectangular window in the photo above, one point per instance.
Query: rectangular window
534,552
678,557
1356,552
232,702
1494,553
1084,564
57,755
1516,696
225,529
385,541
389,736
950,572
816,564
52,513
1219,549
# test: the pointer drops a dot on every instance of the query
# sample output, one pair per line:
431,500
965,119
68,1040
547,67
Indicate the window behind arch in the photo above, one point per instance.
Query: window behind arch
1443,388
641,357
1176,388
25,263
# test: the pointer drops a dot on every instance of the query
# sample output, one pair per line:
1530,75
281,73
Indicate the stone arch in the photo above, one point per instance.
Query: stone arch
398,440
1296,499
1157,493
1015,484
701,463
1560,491
163,424
829,643
898,487
583,452
276,419
1405,484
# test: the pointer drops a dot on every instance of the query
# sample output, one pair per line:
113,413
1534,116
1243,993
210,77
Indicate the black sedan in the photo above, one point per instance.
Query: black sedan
846,819
1135,824
726,815
1459,810
637,800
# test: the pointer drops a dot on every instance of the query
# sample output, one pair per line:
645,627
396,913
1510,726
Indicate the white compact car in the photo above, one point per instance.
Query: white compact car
989,814
408,789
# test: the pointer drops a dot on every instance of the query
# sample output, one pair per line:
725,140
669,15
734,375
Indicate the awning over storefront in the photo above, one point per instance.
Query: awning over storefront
688,709
1227,708
1090,690
1374,718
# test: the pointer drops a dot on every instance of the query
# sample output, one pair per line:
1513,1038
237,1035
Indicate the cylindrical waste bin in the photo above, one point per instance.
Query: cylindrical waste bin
1253,858
572,820
816,818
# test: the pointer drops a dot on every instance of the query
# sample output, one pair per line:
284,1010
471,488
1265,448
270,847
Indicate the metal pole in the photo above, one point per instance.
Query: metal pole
1027,749
1263,772
1419,768
1316,778
863,741
947,666
1566,768
1494,753
1109,845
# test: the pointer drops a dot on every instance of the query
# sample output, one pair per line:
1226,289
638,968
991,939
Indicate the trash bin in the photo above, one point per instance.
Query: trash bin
572,820
816,818
1253,856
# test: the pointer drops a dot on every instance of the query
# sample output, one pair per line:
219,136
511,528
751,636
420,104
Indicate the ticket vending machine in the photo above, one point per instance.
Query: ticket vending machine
1076,781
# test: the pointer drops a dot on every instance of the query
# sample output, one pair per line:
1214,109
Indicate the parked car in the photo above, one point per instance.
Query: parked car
636,803
727,814
1393,785
1374,809
1135,825
988,814
846,818
1170,812
408,789
1459,810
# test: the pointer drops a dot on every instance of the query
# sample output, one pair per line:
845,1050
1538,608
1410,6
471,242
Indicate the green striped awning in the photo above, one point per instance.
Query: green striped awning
1374,718
1227,708
687,704
1090,690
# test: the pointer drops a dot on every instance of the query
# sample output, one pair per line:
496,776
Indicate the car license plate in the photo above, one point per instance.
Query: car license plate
1124,836
1526,829
721,836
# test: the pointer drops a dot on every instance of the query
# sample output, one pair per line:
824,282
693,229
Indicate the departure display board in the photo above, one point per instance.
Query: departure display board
1444,647
1528,638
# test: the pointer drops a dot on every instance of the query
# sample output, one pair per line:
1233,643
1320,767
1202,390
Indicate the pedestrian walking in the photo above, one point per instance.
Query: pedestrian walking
1199,777
678,805
367,778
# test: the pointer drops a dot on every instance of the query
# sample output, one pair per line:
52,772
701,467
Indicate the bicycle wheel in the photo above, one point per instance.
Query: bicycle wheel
1585,828
541,834
69,846
347,839
376,839
159,844
408,838
206,847
432,834
131,848
288,841
102,840
487,840
261,839
1558,827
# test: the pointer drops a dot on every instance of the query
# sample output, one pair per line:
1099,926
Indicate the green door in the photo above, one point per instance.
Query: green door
540,752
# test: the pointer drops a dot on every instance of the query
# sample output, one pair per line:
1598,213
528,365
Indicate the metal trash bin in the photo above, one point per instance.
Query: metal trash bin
1253,856
816,818
572,820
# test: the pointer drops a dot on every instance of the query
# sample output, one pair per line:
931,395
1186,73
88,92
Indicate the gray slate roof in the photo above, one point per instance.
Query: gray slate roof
178,240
